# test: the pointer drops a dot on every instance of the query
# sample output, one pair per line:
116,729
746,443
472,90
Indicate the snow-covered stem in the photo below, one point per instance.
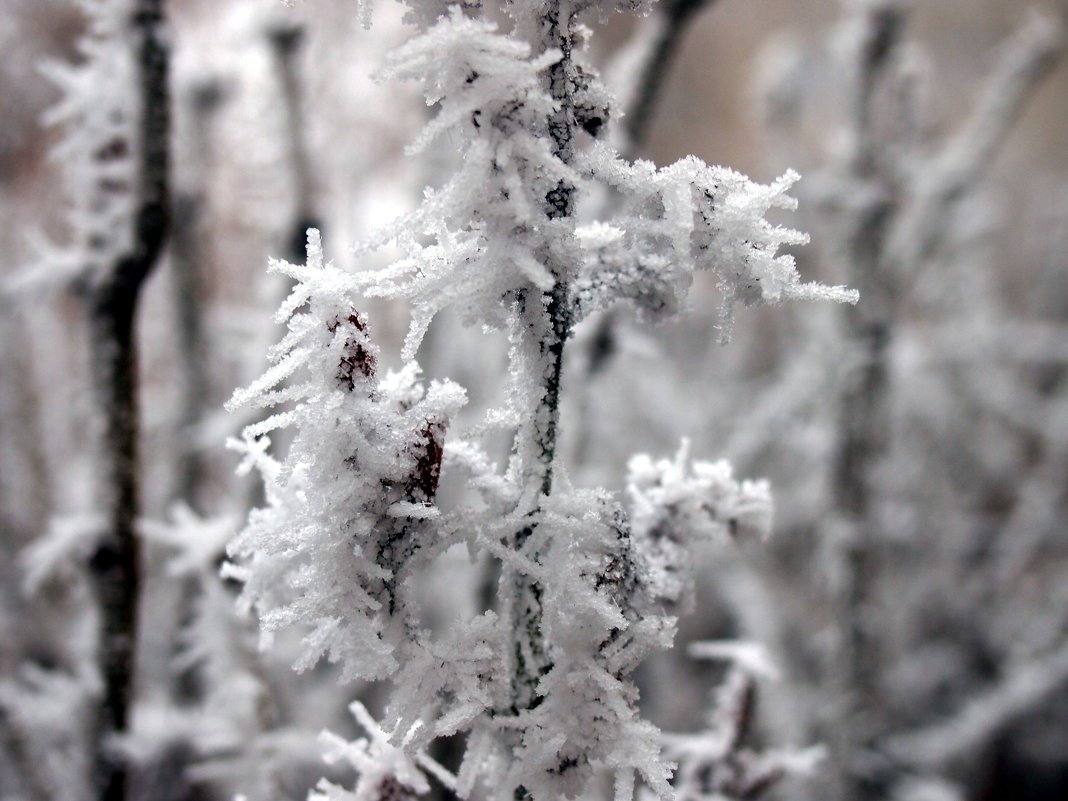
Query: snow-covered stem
863,408
544,330
548,319
112,301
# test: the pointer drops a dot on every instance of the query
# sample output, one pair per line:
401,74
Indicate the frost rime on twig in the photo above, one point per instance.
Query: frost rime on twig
541,684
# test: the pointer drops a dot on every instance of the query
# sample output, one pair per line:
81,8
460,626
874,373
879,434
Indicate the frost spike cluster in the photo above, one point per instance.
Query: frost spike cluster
348,506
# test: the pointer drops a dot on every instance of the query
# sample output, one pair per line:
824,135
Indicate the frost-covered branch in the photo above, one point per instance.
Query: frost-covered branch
675,503
541,682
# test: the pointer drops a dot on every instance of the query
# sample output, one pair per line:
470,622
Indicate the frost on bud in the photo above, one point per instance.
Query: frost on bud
351,506
356,357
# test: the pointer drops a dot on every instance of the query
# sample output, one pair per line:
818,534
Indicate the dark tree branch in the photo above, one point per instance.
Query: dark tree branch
115,566
672,20
286,39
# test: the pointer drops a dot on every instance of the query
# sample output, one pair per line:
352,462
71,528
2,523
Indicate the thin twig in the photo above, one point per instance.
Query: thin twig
671,20
985,716
1027,58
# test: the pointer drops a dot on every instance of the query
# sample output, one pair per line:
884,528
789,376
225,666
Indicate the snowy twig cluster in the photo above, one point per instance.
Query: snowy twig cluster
587,587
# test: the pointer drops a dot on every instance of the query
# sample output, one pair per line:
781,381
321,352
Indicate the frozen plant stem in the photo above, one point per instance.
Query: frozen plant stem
546,325
115,565
540,685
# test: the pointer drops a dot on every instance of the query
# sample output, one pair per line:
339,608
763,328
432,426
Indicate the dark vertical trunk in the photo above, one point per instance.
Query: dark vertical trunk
286,40
115,565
